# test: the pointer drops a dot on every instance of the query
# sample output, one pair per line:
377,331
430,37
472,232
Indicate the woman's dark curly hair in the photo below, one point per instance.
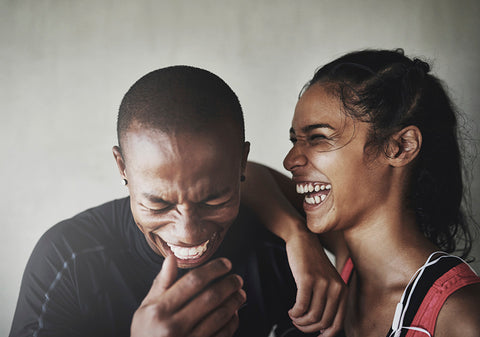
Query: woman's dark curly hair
391,91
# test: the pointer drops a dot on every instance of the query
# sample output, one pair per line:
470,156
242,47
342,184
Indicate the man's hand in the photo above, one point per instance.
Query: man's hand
204,302
321,293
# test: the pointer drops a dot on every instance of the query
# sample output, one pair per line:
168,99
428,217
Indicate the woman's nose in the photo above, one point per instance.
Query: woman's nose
294,159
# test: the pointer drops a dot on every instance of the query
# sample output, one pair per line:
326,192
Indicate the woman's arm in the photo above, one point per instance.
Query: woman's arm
320,291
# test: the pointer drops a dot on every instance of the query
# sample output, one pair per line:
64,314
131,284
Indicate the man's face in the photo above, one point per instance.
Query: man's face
184,189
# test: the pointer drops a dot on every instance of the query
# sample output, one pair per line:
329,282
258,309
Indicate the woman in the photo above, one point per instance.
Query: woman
376,159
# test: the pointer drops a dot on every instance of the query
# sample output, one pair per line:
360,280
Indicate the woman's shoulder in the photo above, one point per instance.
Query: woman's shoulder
443,299
460,314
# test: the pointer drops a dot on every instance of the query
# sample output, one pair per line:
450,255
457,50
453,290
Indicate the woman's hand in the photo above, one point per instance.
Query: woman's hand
321,293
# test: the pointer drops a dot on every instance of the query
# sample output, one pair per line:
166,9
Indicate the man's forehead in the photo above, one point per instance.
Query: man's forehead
186,137
151,150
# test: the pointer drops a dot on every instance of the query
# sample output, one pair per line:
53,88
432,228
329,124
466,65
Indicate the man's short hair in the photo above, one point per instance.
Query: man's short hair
179,98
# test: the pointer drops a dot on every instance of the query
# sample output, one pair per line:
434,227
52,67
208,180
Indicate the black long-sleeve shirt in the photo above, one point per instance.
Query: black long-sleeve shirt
87,275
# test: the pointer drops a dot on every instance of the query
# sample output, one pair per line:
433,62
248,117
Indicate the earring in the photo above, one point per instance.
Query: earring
124,182
242,178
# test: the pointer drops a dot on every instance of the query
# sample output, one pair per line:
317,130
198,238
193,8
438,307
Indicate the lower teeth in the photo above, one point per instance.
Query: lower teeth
315,200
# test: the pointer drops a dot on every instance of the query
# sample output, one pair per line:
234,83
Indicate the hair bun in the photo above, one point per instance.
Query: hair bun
421,65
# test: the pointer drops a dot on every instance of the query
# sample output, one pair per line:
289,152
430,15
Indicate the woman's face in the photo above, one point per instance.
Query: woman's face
340,185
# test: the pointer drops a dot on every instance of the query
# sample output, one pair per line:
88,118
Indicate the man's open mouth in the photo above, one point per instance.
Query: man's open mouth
186,253
190,255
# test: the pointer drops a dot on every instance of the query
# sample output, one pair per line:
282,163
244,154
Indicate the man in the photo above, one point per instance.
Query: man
182,156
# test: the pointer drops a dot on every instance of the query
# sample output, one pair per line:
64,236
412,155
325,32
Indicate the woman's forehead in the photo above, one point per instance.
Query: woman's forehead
317,105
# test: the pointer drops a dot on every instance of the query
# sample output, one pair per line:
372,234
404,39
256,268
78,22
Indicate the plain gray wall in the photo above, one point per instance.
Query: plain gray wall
65,65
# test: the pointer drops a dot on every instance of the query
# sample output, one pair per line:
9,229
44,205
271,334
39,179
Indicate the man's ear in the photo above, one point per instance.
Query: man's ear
117,154
404,146
246,151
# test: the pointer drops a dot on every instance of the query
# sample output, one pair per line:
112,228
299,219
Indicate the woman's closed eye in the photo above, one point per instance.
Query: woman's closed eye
317,137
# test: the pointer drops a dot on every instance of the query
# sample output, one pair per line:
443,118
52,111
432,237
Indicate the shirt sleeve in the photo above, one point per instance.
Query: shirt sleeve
47,303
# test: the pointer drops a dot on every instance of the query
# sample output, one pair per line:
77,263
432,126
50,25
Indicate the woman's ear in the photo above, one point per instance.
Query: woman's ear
404,146
117,154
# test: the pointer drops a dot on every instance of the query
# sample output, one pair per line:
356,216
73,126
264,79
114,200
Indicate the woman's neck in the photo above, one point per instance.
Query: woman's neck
388,250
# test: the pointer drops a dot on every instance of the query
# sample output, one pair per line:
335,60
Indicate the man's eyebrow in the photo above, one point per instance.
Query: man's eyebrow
311,127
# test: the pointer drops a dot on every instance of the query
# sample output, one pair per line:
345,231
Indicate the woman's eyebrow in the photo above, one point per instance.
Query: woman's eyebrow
311,127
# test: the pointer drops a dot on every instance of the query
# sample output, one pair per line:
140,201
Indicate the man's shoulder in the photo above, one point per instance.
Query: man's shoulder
249,240
114,211
88,229
249,227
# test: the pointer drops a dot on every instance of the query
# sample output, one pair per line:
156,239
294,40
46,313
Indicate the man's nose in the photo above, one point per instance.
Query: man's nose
189,226
294,159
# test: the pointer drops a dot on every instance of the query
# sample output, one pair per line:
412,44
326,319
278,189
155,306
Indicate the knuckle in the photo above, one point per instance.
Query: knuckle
229,329
323,283
313,317
171,328
310,279
234,303
194,279
223,313
339,287
155,310
307,281
213,296
303,307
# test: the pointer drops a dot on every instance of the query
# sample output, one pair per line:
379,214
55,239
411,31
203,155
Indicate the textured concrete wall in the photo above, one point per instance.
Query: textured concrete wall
65,65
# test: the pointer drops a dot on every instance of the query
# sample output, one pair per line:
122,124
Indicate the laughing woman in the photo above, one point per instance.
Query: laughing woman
376,159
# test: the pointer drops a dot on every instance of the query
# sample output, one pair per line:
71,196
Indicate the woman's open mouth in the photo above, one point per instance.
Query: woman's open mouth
315,193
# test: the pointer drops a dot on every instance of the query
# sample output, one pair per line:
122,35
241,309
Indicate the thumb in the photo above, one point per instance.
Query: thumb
165,278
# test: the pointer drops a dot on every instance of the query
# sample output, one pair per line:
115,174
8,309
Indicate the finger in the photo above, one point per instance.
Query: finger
331,306
315,312
337,324
211,299
228,329
194,282
336,295
220,316
302,302
165,278
317,306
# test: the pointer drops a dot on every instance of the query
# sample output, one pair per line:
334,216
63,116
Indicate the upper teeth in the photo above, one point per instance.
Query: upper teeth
188,252
307,188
